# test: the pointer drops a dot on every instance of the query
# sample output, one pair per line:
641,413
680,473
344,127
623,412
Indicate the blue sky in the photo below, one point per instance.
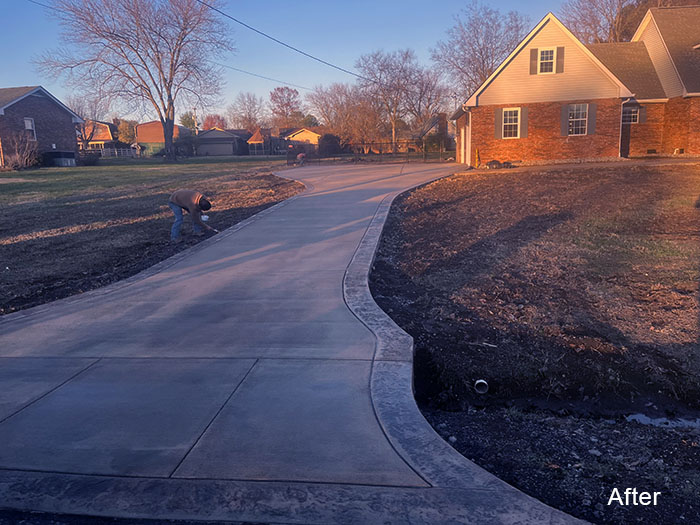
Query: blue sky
338,32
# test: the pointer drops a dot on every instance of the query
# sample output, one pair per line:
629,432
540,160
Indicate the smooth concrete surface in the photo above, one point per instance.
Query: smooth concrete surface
250,378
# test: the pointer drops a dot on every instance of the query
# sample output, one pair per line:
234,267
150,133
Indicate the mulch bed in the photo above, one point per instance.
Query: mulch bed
574,293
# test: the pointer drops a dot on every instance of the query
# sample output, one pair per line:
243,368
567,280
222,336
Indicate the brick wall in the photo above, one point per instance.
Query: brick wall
544,140
648,135
694,127
53,124
676,125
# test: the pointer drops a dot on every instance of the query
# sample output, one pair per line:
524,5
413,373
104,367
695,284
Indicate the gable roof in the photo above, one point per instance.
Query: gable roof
12,95
288,134
216,131
257,137
680,30
630,62
549,18
244,134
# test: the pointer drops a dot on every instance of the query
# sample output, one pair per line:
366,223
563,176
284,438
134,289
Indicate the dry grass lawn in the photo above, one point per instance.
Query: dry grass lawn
68,230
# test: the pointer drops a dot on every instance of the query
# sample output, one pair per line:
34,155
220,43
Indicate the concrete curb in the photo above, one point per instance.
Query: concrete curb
461,492
391,388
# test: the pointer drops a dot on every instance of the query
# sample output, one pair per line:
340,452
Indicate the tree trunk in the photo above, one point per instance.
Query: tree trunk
393,136
168,127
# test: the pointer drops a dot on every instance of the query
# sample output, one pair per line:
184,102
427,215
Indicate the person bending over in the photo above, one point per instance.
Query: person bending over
193,202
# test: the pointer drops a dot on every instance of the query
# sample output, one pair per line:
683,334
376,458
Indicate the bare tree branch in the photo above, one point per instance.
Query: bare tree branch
595,21
479,41
151,53
388,78
246,112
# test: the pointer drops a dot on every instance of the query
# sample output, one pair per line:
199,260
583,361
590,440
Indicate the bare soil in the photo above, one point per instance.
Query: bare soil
573,291
64,232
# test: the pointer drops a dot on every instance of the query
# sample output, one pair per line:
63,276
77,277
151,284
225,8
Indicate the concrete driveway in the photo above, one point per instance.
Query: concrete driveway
234,382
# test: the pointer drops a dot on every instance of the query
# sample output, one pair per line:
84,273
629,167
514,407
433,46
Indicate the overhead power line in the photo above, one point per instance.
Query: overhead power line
308,55
216,63
262,76
43,5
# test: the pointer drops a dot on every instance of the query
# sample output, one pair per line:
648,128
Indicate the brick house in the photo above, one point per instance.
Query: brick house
554,98
150,138
35,114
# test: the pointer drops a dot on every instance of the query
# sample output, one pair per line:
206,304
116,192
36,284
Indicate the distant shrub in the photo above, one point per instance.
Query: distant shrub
88,159
329,144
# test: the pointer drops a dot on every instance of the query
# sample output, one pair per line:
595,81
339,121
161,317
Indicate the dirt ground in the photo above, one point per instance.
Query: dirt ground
66,231
574,293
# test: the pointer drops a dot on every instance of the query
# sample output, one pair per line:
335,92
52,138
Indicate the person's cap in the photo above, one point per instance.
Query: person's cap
204,204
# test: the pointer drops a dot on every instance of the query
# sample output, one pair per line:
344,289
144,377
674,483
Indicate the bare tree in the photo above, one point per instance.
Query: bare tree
154,53
479,41
595,21
427,96
246,112
349,112
387,77
285,106
335,106
214,121
92,107
366,123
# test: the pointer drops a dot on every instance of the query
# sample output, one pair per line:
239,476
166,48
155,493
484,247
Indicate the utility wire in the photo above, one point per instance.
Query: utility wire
312,57
215,63
261,76
43,5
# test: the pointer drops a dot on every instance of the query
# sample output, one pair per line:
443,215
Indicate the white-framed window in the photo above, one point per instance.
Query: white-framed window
29,127
511,123
578,119
546,60
630,115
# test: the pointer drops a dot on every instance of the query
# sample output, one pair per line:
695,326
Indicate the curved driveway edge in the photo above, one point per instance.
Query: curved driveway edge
392,392
298,407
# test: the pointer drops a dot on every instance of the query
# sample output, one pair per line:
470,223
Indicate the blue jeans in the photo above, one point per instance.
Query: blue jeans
175,230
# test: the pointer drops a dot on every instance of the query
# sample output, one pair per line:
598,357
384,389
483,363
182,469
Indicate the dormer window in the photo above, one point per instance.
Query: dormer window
546,61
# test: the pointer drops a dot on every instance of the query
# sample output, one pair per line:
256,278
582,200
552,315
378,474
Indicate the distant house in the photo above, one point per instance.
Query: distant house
104,134
32,113
264,142
150,138
300,136
554,98
274,141
222,142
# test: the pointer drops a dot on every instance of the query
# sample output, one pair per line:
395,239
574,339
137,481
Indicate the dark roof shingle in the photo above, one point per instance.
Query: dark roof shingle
630,63
680,29
9,95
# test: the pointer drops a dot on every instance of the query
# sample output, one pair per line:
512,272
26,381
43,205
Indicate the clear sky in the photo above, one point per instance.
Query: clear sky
338,32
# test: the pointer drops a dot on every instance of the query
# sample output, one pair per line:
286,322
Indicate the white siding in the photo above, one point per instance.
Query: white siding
662,62
582,79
